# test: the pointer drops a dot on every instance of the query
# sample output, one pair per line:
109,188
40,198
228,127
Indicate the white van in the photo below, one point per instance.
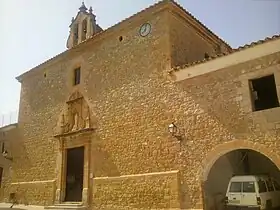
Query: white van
254,191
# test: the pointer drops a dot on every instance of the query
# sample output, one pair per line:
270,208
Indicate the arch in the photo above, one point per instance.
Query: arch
75,34
227,147
84,29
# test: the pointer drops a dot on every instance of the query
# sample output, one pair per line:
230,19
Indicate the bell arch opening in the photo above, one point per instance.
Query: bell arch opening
239,161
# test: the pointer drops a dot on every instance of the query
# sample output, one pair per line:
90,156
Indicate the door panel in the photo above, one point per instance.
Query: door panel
235,193
249,194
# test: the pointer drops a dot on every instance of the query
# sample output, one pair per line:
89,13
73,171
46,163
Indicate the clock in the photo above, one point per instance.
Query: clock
145,29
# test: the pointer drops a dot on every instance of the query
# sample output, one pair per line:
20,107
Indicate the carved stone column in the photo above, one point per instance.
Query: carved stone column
86,180
58,193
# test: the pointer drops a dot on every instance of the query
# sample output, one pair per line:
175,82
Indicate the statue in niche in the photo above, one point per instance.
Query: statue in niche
76,122
87,120
77,115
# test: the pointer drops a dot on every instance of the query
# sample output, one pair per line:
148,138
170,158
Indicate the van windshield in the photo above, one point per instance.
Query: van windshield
246,187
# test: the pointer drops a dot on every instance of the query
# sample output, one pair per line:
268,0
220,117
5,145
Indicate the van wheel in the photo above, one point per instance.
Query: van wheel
268,205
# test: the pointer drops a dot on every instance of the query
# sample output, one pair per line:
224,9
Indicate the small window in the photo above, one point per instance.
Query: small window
262,186
76,34
248,187
264,93
269,185
276,185
84,26
235,187
77,76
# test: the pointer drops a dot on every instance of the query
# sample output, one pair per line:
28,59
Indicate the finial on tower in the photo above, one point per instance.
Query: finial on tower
82,27
83,8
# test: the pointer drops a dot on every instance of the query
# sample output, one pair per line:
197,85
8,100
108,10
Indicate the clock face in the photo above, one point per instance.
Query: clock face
145,29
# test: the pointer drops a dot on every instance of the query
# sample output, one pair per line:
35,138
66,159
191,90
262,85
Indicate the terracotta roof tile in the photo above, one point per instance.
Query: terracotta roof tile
246,46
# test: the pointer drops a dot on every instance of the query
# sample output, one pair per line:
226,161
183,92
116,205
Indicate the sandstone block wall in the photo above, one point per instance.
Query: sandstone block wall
8,136
108,65
33,193
223,114
132,102
142,191
186,44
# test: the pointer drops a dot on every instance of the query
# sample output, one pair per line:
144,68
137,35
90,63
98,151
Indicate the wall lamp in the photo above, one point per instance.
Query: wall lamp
5,155
174,130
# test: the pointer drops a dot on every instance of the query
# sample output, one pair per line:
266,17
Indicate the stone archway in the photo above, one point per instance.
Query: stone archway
222,149
218,163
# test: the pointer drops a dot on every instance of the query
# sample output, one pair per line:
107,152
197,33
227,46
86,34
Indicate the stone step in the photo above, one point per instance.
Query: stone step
67,206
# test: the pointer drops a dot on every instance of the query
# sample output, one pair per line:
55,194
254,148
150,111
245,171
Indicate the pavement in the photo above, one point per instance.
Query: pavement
6,206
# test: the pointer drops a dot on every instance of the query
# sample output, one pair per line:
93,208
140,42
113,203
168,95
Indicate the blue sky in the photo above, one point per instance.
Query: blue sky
35,30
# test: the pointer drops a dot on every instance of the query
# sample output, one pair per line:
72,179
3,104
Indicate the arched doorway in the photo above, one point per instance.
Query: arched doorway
234,158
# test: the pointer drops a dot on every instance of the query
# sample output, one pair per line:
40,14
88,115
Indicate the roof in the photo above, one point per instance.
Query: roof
246,46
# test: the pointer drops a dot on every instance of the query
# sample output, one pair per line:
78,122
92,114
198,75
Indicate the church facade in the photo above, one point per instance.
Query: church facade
135,116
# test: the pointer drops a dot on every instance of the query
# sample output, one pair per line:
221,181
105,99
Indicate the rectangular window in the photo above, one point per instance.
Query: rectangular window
77,76
276,185
264,93
235,187
262,186
248,187
269,185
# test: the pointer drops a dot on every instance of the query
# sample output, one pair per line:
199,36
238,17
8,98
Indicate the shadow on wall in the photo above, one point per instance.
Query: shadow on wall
187,200
19,151
103,164
217,96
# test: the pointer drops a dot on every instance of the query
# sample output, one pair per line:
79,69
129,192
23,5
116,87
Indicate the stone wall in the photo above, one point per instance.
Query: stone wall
219,111
143,191
8,136
128,94
187,44
132,101
109,67
31,193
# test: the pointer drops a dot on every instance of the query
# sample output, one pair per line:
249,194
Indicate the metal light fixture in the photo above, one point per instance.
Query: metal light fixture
173,129
5,155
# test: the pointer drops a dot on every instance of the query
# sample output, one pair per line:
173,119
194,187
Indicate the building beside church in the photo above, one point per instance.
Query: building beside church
138,115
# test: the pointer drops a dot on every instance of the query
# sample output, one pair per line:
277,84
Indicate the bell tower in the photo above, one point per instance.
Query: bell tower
82,27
